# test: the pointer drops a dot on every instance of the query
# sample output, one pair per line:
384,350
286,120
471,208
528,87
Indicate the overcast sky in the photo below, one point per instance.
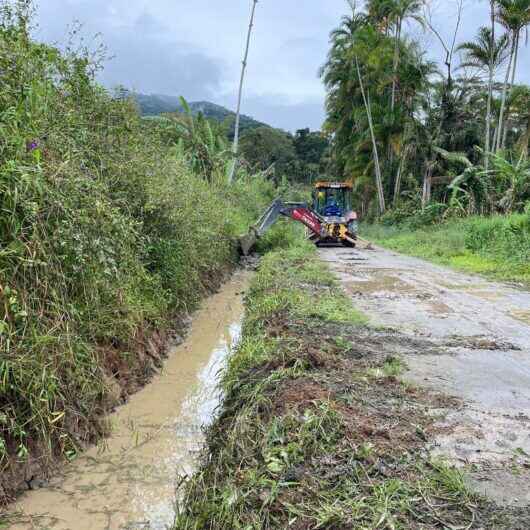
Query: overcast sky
194,48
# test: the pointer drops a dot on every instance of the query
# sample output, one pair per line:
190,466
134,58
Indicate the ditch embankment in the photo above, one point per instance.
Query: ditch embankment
112,230
91,298
319,427
131,478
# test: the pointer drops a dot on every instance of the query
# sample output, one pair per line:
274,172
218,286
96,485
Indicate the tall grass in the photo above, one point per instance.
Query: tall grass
498,246
106,233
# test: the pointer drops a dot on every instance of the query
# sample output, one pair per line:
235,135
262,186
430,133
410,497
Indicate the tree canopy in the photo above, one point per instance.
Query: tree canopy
401,127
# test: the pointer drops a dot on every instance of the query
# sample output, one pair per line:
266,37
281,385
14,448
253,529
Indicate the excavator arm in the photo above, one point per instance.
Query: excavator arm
298,211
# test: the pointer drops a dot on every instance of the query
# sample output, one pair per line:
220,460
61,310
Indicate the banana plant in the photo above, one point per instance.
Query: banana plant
506,187
471,189
516,180
202,143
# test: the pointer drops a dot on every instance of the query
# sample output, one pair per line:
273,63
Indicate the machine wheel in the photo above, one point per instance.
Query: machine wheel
348,244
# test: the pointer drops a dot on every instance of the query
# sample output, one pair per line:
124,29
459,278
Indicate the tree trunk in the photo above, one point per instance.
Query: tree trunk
503,102
427,186
488,121
396,64
508,110
490,88
235,146
397,184
495,136
524,141
378,177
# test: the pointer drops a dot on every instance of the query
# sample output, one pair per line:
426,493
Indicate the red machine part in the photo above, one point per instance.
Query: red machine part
308,218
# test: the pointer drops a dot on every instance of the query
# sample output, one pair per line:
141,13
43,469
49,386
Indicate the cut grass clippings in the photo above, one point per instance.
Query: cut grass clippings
314,433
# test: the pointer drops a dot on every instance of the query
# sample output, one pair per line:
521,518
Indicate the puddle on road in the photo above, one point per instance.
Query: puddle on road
478,287
522,316
379,284
438,308
130,481
489,296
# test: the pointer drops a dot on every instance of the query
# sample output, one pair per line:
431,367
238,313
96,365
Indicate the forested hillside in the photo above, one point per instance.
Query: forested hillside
301,157
157,104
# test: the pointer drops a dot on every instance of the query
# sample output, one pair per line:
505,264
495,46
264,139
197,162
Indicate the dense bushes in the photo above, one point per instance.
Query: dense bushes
410,214
507,237
105,235
498,246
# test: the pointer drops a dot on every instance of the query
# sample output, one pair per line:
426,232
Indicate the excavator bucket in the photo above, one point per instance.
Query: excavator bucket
248,242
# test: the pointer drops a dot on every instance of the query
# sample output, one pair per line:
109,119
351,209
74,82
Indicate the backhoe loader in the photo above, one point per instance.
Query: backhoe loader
330,218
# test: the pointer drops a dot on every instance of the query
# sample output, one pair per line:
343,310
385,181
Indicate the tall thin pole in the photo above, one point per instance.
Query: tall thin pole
378,177
235,146
490,87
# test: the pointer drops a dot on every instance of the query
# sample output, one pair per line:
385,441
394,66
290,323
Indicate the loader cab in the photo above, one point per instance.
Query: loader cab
333,199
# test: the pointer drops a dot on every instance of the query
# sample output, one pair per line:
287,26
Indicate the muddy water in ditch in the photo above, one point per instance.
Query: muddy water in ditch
130,481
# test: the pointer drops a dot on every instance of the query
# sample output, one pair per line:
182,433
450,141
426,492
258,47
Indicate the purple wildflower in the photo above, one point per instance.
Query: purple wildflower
31,146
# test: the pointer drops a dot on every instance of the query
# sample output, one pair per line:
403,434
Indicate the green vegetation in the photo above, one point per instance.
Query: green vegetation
278,154
498,247
301,158
433,153
268,149
410,134
303,439
110,226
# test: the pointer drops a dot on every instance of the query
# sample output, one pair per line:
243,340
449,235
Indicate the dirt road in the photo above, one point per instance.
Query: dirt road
471,340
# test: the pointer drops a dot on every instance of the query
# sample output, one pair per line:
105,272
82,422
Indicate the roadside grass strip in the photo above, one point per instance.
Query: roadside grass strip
495,247
316,430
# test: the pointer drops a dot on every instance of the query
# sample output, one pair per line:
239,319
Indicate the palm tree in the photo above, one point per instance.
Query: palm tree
486,53
337,75
402,10
514,15
343,37
490,86
348,91
378,176
381,13
359,118
415,75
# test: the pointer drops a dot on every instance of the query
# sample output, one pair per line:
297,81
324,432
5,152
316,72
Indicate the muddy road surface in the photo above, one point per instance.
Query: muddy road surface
130,480
469,338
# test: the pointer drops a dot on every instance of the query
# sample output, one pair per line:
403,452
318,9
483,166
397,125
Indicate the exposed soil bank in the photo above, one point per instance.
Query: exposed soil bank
130,480
318,431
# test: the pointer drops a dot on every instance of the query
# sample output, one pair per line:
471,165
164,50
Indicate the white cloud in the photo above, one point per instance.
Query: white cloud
194,47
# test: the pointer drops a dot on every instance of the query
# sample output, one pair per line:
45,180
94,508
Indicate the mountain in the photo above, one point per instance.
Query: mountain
155,104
